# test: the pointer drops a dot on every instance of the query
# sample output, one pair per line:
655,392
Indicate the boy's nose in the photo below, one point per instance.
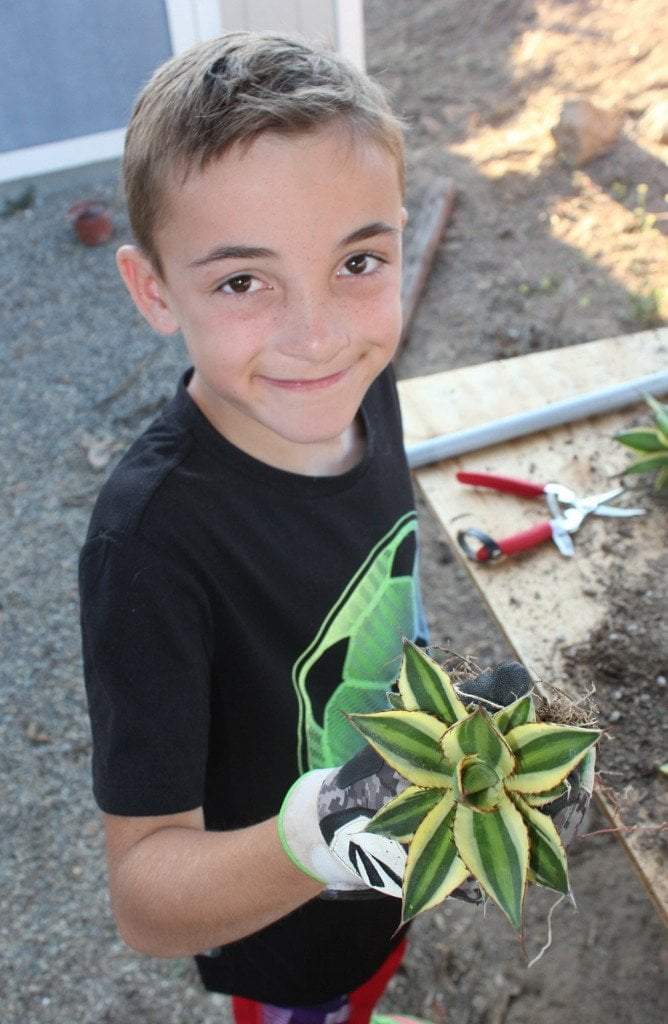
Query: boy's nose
314,333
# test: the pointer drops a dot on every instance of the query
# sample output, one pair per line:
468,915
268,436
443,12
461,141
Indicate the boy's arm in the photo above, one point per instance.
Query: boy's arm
177,889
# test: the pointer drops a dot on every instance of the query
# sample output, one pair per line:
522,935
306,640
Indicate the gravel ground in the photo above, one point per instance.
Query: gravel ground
81,376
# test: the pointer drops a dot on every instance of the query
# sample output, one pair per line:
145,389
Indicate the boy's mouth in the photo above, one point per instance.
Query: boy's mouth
306,384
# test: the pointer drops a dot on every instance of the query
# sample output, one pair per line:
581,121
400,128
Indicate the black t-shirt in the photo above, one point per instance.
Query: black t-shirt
231,612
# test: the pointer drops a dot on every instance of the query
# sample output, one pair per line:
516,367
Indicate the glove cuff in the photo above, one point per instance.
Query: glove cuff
300,835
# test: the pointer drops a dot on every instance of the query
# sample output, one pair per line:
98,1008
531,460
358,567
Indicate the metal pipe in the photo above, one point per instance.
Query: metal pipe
446,446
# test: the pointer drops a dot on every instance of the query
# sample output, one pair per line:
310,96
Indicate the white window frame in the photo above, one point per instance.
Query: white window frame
349,21
190,21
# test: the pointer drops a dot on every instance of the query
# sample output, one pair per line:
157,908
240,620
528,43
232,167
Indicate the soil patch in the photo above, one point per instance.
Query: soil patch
626,659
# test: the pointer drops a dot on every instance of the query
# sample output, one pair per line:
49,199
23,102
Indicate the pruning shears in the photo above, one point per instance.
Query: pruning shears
567,510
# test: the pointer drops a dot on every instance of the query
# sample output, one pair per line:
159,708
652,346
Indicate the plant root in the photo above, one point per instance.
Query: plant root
549,932
560,708
660,827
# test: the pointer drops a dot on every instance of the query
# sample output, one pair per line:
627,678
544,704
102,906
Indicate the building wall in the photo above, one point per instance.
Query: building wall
72,68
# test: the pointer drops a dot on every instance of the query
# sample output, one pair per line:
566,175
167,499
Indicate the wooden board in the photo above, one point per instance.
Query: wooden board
581,455
426,225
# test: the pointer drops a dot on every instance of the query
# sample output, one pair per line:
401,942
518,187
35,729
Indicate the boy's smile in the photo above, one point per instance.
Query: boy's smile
282,268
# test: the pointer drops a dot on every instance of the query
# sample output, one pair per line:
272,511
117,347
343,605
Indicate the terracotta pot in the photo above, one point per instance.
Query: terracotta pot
91,221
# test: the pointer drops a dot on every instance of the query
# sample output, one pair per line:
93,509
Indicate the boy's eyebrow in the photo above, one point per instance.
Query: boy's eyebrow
376,227
250,252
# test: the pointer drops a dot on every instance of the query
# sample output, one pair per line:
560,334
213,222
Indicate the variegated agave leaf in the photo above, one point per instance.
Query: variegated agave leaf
547,857
540,799
495,849
545,754
518,713
476,734
410,742
424,686
400,818
476,784
434,868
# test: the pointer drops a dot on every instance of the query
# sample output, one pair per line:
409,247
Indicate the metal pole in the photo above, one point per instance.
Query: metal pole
446,446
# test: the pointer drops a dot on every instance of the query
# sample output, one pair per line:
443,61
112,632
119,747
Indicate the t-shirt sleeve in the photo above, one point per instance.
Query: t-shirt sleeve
146,651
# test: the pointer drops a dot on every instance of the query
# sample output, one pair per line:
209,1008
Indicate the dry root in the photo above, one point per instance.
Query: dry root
558,707
563,710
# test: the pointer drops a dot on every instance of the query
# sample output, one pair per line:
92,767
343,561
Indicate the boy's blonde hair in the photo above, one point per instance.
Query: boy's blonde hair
229,90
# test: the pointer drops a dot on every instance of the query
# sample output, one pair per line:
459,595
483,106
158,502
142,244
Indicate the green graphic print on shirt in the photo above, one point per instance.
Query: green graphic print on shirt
354,658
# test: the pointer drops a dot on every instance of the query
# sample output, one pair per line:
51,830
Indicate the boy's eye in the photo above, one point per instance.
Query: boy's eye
362,263
240,284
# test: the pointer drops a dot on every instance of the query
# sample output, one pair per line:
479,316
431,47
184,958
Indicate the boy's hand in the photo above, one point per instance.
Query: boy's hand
323,817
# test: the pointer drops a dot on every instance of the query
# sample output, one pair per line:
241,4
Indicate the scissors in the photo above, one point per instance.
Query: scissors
568,512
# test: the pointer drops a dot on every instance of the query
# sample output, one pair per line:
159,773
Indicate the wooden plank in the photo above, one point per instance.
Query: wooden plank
582,455
422,235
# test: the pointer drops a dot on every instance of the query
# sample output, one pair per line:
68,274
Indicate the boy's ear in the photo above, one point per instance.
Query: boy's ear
146,288
404,217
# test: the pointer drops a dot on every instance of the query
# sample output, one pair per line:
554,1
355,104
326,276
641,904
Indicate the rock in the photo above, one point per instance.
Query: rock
584,131
654,122
99,451
91,221
36,734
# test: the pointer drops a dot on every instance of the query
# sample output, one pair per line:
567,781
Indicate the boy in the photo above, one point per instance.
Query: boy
251,564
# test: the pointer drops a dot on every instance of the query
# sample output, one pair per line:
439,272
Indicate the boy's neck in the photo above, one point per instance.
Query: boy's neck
332,457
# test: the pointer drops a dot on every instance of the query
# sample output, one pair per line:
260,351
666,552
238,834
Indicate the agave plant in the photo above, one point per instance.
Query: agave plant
476,781
653,441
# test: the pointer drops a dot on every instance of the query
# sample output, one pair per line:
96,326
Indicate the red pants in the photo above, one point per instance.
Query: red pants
354,1008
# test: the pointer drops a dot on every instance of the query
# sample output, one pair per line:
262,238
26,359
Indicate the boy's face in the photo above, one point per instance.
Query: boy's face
282,268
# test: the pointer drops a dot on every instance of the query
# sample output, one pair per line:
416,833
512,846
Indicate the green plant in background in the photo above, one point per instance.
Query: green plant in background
477,781
653,441
646,308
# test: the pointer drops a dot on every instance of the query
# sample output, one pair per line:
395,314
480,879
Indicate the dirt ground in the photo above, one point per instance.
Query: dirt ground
537,255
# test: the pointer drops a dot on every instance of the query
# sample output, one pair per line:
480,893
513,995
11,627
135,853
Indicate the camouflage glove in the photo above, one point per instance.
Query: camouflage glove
321,827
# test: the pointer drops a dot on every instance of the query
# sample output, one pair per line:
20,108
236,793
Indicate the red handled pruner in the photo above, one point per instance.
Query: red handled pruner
568,512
